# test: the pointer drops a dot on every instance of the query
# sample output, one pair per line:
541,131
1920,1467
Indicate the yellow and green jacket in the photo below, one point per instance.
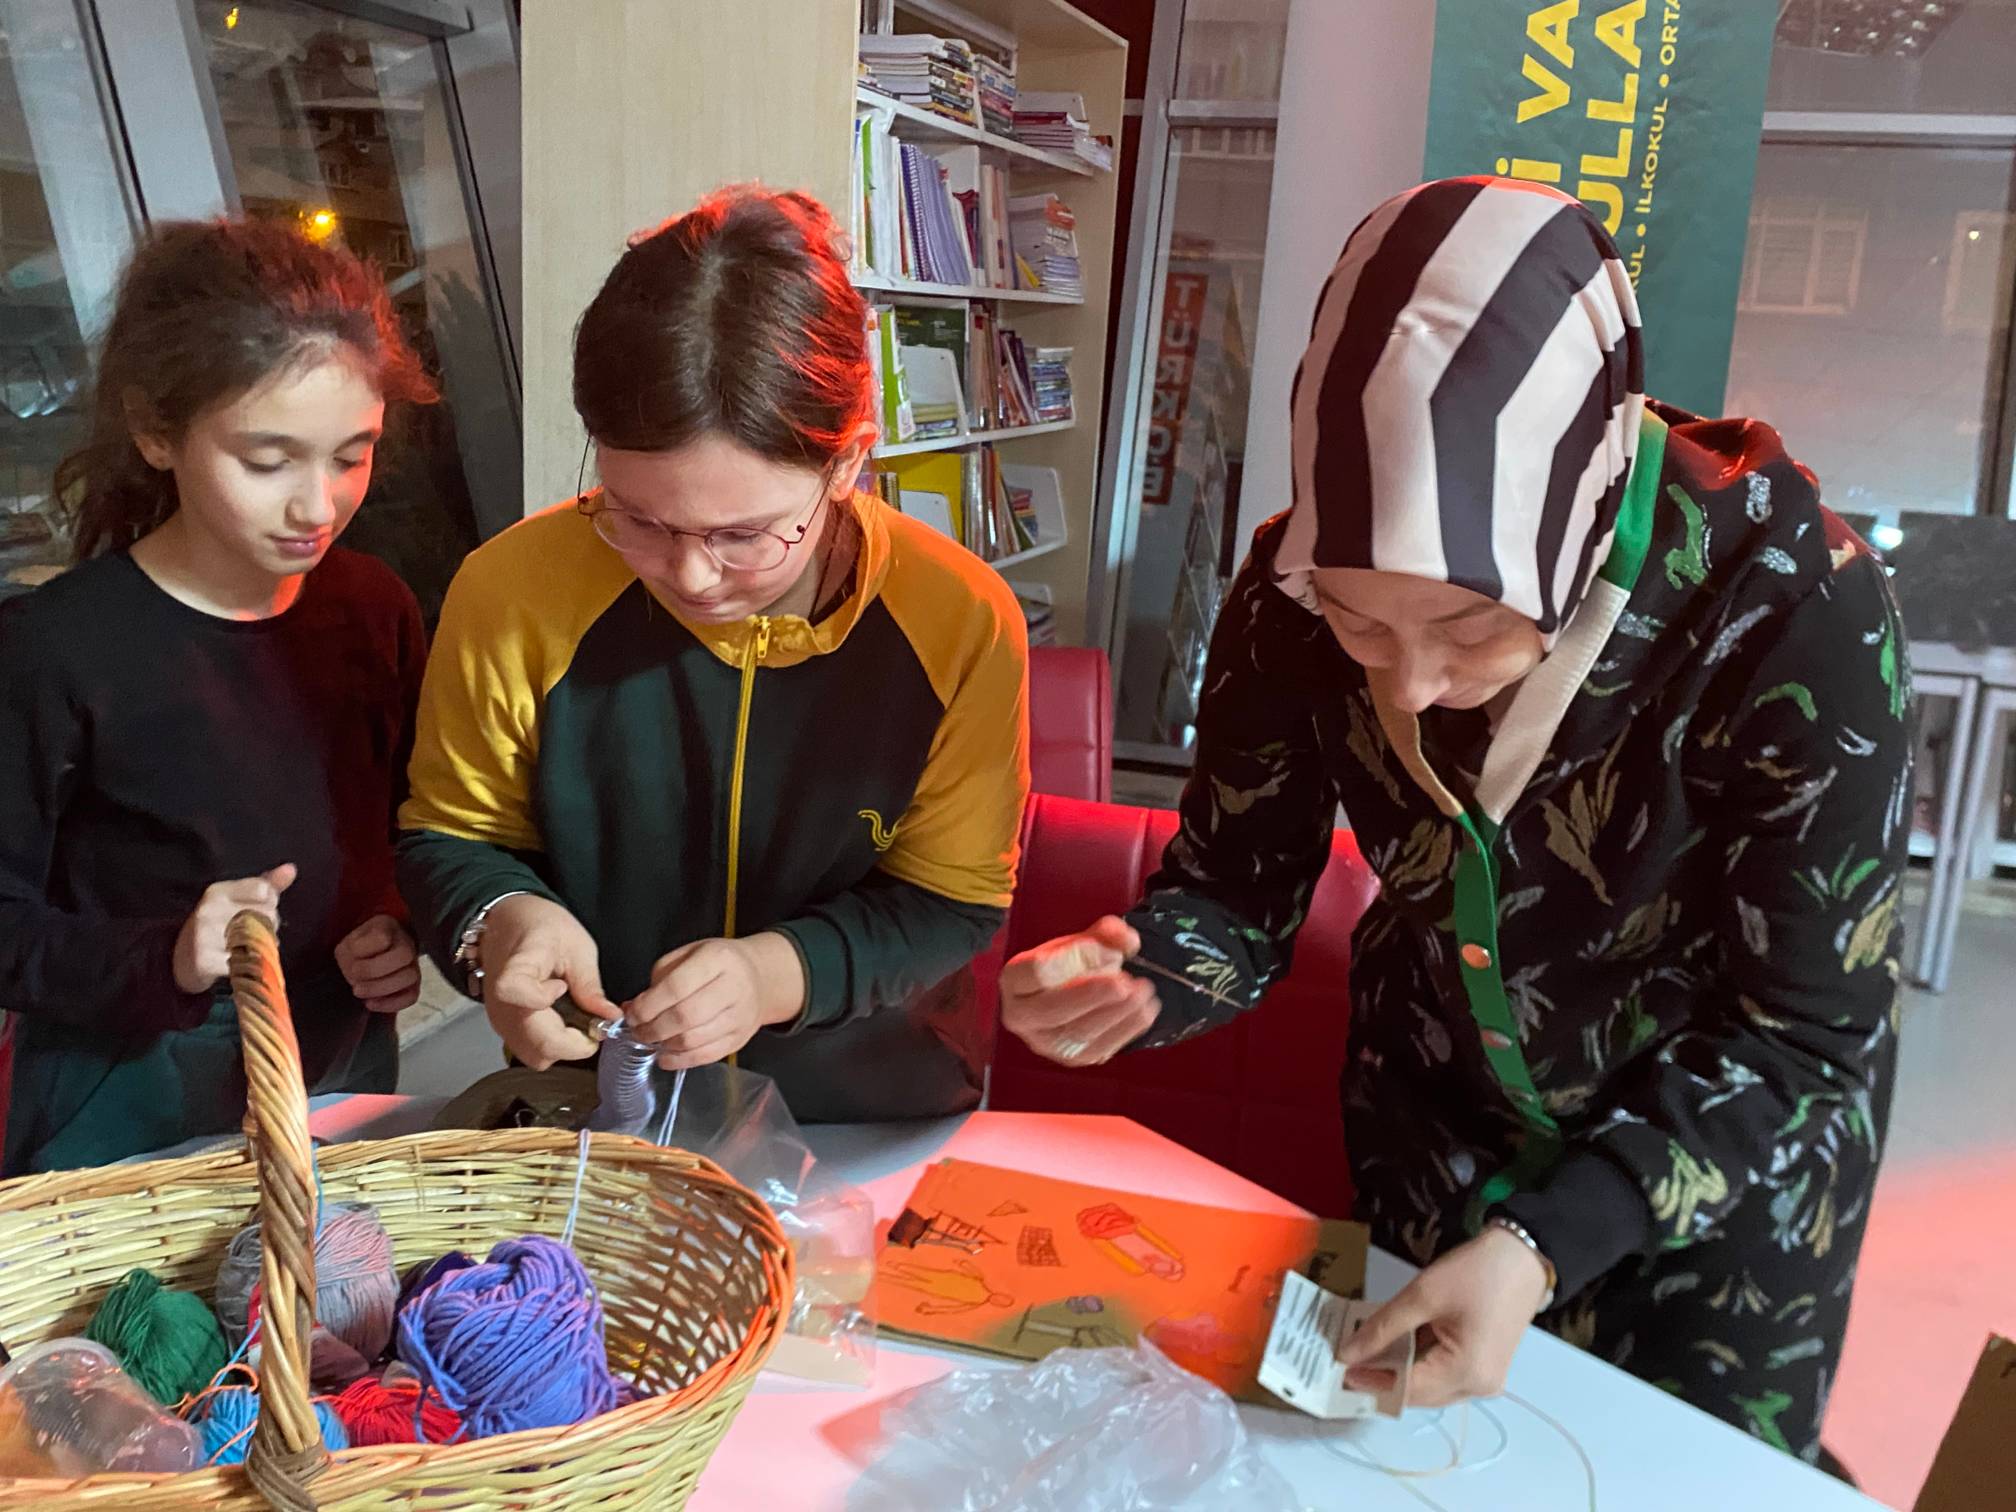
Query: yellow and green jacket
855,784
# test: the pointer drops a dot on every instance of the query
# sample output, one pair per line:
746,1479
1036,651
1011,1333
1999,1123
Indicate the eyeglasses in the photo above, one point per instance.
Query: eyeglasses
738,548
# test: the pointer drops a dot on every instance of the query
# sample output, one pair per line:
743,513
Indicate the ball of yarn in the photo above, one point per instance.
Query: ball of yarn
356,1287
383,1412
168,1340
230,1414
513,1343
423,1275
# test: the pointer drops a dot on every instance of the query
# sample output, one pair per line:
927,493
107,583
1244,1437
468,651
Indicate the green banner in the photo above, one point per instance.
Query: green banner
1649,113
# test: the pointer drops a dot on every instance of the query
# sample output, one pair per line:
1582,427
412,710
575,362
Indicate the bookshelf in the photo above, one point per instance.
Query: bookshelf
643,107
919,125
972,438
876,283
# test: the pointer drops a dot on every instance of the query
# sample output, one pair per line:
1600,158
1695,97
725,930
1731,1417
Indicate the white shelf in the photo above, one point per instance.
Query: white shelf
971,438
920,125
1016,559
877,283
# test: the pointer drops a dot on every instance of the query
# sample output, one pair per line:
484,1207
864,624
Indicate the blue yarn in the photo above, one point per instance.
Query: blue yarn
230,1414
513,1343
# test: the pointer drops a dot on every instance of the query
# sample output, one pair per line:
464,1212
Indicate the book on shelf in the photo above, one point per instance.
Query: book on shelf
970,496
949,331
1057,122
996,83
1046,241
932,73
937,398
961,369
1050,377
906,218
885,360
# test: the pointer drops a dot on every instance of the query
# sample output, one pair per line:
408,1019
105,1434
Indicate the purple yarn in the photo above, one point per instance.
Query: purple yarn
514,1343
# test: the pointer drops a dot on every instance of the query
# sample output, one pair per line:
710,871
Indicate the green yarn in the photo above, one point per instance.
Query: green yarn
169,1341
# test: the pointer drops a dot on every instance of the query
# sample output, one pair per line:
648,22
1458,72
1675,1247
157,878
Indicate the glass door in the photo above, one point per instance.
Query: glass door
346,128
66,223
1177,430
349,119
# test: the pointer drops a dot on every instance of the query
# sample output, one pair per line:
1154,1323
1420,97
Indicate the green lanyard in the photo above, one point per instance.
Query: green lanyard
1477,880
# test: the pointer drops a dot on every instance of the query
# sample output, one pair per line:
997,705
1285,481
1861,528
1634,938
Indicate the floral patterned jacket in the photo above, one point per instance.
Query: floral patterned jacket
1696,890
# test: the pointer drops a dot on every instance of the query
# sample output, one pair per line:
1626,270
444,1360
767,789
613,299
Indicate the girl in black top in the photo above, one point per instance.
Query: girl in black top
212,710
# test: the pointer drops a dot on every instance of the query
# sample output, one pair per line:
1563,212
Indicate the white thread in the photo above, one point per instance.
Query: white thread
1405,1478
574,1207
671,1108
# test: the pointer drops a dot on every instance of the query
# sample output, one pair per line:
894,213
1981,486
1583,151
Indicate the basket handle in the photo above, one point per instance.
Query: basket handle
287,1451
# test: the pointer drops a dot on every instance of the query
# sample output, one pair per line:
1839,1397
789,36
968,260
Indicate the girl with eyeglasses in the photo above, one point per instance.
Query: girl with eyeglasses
723,747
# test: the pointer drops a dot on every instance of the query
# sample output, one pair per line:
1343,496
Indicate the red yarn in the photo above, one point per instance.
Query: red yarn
381,1412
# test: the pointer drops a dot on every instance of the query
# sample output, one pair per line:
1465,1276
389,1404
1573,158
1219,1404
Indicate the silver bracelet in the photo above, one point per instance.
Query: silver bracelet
1517,1230
468,955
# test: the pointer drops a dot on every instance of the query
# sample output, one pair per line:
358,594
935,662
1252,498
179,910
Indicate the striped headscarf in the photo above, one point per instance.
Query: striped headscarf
1469,404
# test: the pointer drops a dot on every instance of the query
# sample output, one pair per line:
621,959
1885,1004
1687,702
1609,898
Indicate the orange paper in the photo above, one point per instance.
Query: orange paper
1018,1265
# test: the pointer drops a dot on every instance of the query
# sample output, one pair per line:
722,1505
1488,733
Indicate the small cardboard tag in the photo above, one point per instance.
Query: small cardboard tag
1301,1368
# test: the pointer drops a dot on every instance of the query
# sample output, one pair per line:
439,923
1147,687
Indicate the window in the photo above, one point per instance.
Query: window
65,229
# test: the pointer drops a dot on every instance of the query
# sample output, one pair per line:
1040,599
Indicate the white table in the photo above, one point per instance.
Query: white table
798,1448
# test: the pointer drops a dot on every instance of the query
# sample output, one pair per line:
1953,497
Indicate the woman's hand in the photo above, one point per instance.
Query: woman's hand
533,950
381,963
1468,1309
1069,1001
707,1000
201,955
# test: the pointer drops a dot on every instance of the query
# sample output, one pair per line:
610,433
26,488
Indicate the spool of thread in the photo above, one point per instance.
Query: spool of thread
230,1414
383,1412
168,1340
514,1343
356,1287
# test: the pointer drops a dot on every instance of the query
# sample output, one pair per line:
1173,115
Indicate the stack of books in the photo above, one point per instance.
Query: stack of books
936,222
1050,377
967,496
932,73
933,218
1056,122
996,82
1045,233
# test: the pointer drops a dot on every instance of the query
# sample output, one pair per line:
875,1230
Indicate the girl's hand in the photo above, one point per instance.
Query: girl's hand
201,956
707,1000
381,963
533,951
1468,1310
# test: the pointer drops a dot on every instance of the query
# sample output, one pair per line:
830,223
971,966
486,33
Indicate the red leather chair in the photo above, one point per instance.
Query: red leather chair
1070,722
1258,1096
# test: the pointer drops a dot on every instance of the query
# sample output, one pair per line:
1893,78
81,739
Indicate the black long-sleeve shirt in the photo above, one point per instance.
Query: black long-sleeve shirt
148,750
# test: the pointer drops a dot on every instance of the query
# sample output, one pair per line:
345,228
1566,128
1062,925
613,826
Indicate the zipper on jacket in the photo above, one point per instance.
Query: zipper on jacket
759,647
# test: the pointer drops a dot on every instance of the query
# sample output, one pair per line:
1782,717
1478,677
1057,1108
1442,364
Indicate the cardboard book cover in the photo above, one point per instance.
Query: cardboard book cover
1017,1265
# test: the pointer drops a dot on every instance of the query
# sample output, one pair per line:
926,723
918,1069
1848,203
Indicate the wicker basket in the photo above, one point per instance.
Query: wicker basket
694,1272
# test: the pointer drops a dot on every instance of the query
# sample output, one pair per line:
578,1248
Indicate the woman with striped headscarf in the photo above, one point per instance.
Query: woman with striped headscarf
1617,713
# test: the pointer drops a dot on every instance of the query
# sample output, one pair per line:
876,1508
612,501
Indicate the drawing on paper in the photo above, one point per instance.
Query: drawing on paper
912,1229
1038,1247
1121,1237
1077,1266
962,1289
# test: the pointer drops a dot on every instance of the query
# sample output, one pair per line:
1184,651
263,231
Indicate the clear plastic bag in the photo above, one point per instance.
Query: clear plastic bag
68,1410
738,1120
1084,1430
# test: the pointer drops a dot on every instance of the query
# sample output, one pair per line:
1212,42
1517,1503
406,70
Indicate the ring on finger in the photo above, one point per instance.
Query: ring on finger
1070,1049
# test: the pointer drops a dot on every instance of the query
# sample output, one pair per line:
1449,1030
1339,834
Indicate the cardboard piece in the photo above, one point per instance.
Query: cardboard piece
1976,1467
1016,1265
1301,1365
